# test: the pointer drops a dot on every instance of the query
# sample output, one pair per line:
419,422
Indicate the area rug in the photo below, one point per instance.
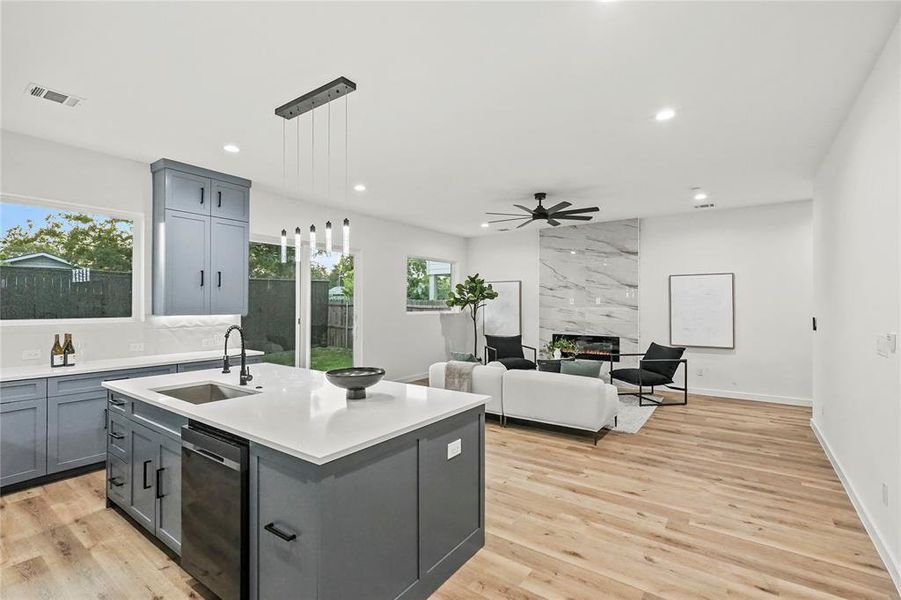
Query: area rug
631,417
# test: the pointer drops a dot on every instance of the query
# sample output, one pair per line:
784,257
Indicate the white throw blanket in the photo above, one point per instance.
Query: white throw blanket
458,375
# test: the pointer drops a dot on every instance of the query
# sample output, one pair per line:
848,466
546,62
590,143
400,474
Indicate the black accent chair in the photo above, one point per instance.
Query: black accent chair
508,350
656,367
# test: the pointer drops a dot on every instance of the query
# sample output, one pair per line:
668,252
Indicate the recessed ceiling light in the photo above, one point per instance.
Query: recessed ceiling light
572,251
485,225
665,114
231,148
360,187
699,194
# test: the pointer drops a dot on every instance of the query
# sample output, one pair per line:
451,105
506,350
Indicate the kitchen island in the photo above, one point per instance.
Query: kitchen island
374,498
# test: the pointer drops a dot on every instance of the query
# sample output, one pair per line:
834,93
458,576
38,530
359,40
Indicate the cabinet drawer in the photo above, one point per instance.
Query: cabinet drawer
117,430
118,485
119,404
84,382
157,419
200,366
29,389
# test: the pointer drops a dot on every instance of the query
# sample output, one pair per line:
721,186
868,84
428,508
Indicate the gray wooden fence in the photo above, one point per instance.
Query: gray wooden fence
48,293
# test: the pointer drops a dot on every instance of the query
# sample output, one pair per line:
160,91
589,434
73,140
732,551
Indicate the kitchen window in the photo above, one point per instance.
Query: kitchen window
64,263
429,284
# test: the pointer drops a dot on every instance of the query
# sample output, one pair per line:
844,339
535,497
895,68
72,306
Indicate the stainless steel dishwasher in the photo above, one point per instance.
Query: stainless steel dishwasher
214,513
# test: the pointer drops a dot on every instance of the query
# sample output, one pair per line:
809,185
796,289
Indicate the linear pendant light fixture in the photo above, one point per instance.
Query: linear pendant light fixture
325,94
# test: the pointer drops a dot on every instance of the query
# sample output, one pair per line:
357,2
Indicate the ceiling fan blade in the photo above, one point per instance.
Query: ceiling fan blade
576,211
553,222
504,214
559,206
520,206
571,218
524,224
505,220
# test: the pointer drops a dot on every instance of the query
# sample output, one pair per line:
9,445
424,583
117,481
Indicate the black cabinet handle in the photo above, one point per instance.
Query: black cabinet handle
220,200
202,190
201,277
116,481
159,482
288,537
144,482
116,402
220,279
105,417
116,436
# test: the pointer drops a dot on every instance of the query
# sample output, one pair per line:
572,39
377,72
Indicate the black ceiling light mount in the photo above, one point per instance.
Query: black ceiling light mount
552,215
320,96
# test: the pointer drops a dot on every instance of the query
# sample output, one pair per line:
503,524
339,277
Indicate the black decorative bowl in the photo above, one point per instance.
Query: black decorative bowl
355,380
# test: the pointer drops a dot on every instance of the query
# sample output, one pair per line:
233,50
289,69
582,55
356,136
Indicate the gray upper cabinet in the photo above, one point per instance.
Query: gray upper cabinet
200,240
188,193
228,266
230,201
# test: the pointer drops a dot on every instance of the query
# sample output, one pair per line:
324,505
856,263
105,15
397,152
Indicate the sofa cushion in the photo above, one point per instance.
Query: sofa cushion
523,364
464,357
507,346
583,368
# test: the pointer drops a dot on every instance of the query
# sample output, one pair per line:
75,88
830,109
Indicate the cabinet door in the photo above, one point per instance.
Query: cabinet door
186,279
23,440
286,505
118,431
230,201
168,493
118,482
189,193
144,451
228,258
76,426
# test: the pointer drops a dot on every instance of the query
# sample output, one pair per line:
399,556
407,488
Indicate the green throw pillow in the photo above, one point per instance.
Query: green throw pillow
583,368
464,356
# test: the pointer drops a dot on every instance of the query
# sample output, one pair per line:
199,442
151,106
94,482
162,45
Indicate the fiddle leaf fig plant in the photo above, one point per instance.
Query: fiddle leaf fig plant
472,294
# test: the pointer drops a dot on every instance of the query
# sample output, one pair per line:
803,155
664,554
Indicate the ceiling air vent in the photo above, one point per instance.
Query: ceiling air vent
40,91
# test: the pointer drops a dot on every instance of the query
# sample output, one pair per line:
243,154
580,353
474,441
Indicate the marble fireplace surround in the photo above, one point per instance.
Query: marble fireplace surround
588,281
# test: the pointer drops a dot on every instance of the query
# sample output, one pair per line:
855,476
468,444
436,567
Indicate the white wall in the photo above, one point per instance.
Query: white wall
769,250
510,256
856,274
404,344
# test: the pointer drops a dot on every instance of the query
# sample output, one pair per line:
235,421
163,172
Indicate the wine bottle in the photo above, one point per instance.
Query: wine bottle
68,351
57,355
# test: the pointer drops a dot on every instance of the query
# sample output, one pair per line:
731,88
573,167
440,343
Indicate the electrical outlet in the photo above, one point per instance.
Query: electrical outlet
454,448
572,301
136,347
885,494
699,372
597,300
209,342
31,354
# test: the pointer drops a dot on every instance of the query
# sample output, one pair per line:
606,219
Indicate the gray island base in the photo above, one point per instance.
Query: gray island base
374,499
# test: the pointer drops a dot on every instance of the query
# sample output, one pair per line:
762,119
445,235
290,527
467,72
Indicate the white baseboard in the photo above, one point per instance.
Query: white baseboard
892,564
757,397
411,378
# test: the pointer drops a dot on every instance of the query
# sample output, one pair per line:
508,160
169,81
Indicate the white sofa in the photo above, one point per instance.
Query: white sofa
486,379
571,401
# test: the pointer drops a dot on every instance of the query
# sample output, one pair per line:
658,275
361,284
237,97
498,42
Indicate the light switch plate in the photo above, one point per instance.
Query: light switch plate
136,347
454,449
30,354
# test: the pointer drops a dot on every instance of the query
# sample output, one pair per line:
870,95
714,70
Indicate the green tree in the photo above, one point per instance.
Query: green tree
265,262
417,279
100,243
472,294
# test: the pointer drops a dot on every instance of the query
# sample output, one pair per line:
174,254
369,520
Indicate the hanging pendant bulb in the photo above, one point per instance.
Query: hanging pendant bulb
297,245
328,237
346,246
312,239
283,255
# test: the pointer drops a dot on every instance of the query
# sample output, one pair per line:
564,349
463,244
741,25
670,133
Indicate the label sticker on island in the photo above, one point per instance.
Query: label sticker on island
454,449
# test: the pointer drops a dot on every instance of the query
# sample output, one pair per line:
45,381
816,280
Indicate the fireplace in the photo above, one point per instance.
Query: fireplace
592,347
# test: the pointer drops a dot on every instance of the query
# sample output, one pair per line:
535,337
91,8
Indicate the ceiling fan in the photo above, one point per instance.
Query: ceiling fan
552,215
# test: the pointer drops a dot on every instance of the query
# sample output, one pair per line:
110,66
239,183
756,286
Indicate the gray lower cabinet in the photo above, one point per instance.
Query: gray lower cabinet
76,430
23,432
150,467
217,364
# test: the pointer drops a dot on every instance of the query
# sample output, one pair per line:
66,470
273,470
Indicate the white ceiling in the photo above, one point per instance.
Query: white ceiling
461,107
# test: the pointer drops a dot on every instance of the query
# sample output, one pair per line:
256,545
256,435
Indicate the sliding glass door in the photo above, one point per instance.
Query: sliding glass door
330,295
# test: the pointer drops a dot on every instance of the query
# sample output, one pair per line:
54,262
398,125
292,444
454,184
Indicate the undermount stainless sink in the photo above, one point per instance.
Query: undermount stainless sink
204,392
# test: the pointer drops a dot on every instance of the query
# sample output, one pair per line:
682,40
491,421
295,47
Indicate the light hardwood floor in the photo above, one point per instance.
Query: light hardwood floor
719,499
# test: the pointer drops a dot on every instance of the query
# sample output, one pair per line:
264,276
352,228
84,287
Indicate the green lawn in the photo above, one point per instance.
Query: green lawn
331,357
324,359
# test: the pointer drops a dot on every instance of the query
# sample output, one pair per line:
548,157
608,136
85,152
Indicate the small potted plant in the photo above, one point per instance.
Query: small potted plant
559,347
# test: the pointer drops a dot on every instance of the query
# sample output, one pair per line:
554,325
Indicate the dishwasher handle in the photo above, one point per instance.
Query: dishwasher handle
226,462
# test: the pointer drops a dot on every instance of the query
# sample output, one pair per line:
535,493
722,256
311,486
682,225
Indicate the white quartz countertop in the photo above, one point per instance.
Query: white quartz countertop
298,412
114,364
